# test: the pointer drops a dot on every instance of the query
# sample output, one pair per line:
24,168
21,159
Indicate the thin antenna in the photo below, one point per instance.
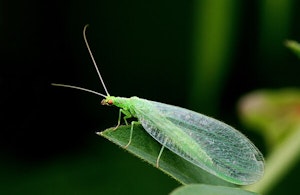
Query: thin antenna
94,62
80,88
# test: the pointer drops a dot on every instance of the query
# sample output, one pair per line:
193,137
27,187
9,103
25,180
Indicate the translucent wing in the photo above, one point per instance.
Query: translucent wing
206,142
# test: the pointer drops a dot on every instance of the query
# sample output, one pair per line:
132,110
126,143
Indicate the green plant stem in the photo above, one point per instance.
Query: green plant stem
279,162
213,42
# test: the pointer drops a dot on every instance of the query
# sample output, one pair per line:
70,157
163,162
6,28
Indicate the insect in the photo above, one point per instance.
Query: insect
204,141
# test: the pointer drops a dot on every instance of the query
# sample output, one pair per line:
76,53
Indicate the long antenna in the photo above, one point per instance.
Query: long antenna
94,62
79,88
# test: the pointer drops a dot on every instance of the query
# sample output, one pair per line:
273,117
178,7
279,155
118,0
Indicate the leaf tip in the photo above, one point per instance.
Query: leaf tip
99,133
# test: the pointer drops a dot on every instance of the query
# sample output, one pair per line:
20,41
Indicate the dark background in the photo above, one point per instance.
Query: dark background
202,55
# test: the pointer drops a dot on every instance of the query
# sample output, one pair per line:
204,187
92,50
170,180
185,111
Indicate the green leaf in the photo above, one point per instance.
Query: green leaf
274,113
146,148
199,189
294,46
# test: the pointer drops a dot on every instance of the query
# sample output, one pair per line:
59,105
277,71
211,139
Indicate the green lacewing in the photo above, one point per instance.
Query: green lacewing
204,141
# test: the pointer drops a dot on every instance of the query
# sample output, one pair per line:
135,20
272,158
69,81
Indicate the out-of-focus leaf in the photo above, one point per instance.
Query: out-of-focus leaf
294,46
274,113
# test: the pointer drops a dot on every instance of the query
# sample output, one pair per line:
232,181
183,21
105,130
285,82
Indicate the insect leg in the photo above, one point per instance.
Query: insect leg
160,153
127,115
131,130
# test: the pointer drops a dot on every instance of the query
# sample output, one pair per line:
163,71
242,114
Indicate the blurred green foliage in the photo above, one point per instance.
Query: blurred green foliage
294,46
275,114
202,55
